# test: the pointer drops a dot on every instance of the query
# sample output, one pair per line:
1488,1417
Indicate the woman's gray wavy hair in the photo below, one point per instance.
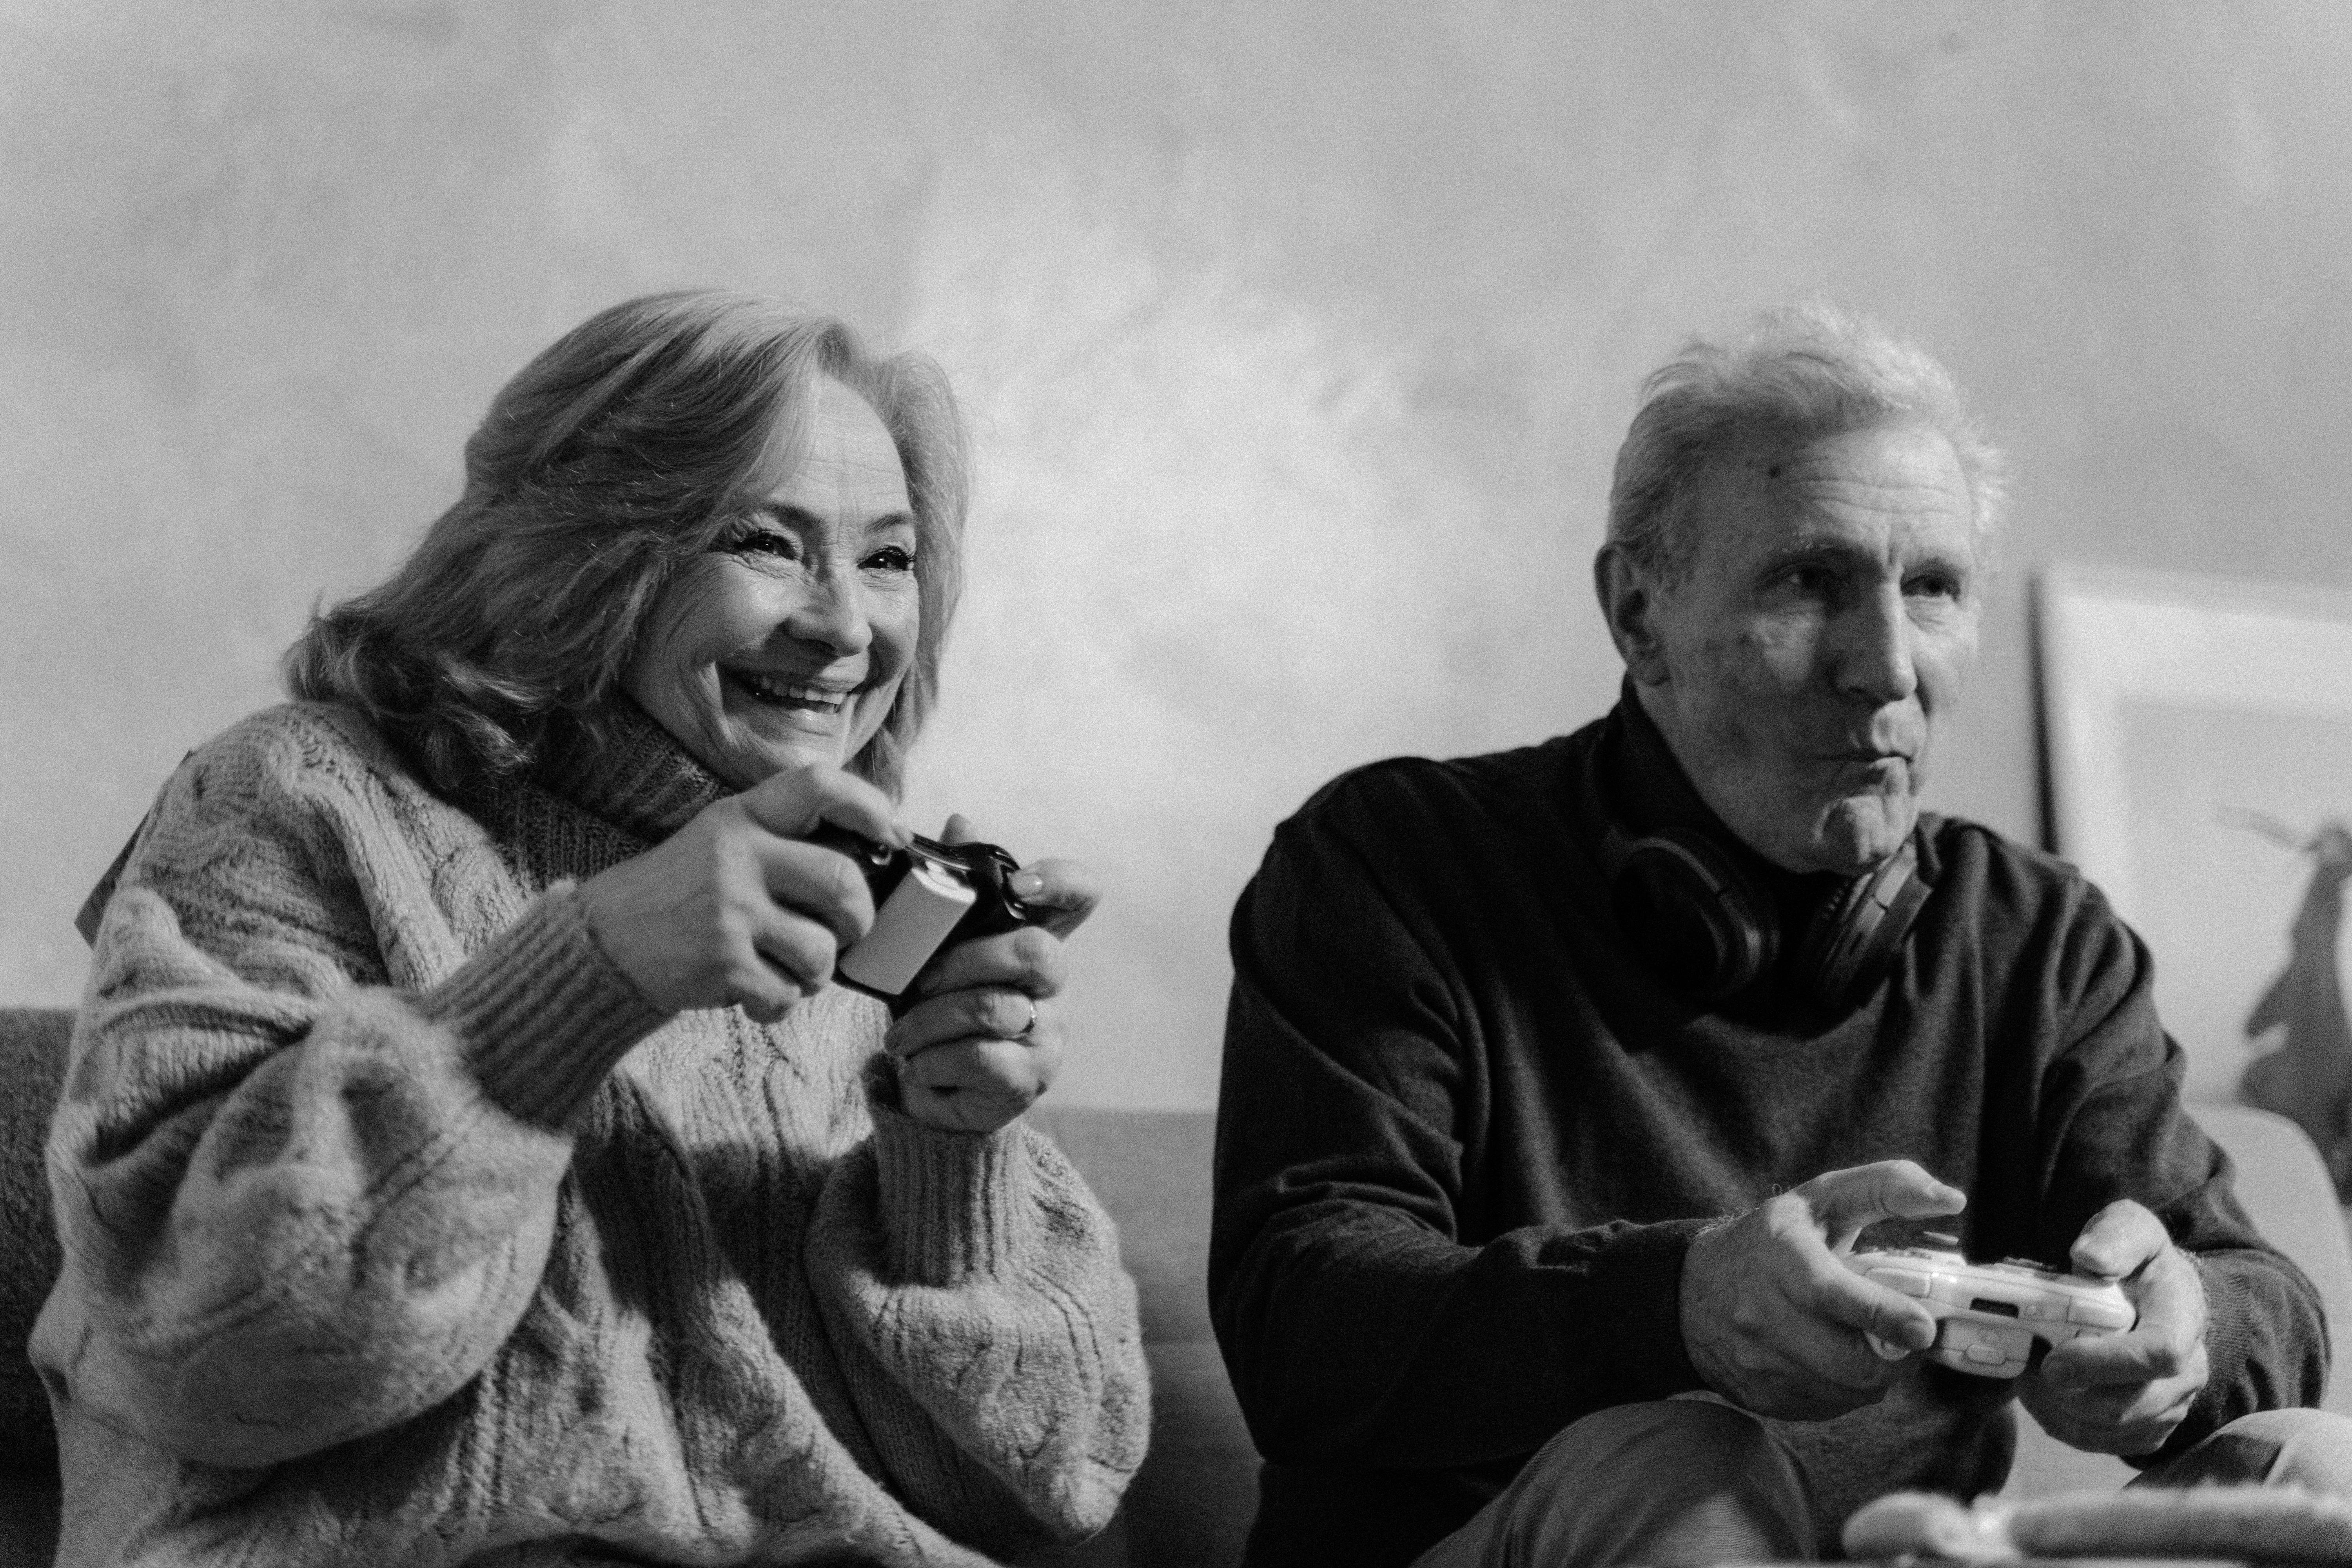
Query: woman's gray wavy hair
1800,371
623,451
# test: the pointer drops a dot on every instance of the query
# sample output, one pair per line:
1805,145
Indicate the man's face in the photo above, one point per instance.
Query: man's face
1824,623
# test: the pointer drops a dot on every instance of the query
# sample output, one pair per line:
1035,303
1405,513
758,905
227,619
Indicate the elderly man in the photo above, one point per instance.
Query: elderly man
1558,1081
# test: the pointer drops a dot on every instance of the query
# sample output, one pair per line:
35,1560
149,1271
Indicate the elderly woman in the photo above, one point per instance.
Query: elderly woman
465,1158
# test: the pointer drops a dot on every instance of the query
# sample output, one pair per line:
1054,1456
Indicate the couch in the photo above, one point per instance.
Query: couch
1191,1504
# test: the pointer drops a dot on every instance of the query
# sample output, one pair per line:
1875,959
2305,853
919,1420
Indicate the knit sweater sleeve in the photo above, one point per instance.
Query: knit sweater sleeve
972,1291
1363,1326
2114,1128
300,1206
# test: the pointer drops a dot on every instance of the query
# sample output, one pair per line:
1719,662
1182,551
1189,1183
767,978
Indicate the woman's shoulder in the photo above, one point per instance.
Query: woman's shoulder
319,743
310,757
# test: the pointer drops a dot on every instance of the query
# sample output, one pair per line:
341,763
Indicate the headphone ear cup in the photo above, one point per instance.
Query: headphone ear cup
1698,921
1851,945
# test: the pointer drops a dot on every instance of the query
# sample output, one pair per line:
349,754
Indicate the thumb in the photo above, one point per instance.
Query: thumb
2120,1237
1845,1201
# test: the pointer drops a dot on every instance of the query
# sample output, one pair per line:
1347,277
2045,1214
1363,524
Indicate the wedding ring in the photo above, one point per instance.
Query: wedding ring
1023,1033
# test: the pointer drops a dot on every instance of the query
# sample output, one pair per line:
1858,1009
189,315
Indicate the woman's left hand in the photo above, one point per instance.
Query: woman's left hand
985,1038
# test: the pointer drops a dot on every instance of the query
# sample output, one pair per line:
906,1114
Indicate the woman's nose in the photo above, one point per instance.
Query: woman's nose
1875,652
831,612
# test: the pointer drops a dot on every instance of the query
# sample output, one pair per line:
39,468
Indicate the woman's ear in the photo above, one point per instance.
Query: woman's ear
1629,606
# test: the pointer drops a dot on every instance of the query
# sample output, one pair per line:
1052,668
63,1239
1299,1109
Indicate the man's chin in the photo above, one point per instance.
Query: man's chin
1859,832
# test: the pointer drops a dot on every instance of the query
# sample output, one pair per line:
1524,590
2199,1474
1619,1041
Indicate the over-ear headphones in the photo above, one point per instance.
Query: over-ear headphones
1705,924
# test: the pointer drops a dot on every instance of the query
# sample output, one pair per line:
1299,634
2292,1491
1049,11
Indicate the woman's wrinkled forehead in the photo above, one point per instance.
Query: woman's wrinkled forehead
825,429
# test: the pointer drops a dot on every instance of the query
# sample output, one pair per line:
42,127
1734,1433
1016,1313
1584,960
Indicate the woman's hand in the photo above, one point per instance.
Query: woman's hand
734,908
985,1038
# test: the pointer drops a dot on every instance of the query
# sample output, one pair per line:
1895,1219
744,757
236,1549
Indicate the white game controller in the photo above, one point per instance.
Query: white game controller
1989,1314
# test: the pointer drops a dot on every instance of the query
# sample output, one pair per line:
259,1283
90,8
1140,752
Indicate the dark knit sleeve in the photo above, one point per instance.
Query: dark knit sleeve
1358,1325
2117,1129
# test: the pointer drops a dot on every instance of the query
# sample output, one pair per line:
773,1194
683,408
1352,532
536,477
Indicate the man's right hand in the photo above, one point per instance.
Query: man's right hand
1774,1321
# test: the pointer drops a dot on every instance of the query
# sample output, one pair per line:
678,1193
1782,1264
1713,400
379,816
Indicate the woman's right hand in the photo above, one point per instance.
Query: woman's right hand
736,908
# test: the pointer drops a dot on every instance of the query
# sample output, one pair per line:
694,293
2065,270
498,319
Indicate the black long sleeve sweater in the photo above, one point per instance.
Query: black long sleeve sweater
1466,1134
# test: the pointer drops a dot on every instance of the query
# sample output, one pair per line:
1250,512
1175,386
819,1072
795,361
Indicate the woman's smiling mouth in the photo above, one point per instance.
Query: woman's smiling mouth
797,696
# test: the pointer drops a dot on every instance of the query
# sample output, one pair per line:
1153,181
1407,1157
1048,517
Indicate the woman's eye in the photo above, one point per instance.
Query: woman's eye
764,541
892,558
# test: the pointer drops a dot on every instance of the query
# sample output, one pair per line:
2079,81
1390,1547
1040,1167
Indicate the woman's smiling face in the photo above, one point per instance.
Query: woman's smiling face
786,644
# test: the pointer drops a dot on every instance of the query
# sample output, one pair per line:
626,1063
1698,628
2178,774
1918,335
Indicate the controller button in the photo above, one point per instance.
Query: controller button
1909,1282
2100,1314
1986,1355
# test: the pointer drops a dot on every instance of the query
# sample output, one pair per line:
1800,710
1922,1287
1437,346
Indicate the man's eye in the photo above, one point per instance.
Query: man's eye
892,558
1806,579
1933,586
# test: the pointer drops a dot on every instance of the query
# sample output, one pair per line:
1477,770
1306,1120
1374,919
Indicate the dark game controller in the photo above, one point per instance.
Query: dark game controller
927,897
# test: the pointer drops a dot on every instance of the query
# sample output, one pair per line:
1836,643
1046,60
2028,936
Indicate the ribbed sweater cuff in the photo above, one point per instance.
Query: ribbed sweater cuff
955,1204
543,1011
2228,1336
1643,1305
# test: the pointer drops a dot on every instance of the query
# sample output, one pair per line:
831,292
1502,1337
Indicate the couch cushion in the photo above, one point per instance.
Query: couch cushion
1191,1504
32,1066
1150,1169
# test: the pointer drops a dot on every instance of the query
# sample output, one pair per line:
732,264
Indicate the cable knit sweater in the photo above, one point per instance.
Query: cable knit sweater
400,1229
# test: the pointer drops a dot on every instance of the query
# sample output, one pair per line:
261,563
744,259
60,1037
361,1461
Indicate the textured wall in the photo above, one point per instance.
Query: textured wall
1299,338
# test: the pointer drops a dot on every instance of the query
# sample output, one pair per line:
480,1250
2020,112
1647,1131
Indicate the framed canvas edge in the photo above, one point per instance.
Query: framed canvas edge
2079,683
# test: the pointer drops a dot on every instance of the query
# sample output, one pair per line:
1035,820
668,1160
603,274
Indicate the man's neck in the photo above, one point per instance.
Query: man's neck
1651,792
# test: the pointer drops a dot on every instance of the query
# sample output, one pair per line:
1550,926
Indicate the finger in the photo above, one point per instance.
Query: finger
977,1085
1847,1299
1066,889
980,1013
1846,1202
1812,1353
1029,960
2110,1421
795,802
2120,1239
958,830
795,950
821,884
2147,1354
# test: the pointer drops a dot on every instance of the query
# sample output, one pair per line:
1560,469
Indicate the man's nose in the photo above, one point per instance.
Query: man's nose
832,612
1874,648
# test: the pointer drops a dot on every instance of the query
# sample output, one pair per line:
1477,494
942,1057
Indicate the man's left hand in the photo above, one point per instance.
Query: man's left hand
2124,1393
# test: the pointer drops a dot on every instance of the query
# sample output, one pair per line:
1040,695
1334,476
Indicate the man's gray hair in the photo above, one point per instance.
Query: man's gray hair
1798,373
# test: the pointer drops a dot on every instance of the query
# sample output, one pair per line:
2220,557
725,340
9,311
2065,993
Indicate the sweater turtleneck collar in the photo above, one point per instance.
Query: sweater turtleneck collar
632,772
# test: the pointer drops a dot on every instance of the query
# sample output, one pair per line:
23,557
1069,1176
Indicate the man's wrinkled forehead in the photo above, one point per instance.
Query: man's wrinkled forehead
1773,489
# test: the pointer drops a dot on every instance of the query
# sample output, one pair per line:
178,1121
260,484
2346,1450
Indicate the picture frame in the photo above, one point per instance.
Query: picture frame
2196,743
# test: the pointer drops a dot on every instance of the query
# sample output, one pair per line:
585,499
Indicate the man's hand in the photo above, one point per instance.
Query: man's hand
2123,1394
1773,1319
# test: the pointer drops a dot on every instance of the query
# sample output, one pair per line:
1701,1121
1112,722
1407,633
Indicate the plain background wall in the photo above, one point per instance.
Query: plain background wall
1298,338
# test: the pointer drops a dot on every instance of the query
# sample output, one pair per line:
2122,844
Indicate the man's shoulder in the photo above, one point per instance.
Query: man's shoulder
1956,847
1454,792
2021,906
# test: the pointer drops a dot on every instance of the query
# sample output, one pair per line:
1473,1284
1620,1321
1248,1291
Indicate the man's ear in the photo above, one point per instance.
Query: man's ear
1629,606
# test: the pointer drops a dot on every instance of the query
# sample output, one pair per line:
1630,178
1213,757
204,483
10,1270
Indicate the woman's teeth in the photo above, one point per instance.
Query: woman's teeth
790,693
